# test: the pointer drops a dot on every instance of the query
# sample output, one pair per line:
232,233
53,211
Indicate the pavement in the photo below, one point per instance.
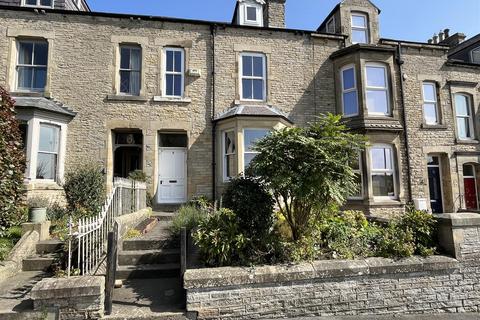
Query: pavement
443,316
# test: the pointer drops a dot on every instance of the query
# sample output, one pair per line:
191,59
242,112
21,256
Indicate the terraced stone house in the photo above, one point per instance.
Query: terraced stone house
185,100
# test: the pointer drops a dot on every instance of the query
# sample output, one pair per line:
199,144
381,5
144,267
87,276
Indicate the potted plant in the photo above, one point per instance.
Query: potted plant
37,212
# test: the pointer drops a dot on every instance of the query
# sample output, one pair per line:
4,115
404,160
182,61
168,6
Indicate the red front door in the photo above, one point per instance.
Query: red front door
470,194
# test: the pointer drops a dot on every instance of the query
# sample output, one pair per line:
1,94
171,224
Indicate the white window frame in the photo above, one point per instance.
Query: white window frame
120,69
330,23
385,89
354,89
165,72
359,171
245,152
384,171
477,49
226,178
470,116
17,64
57,153
243,14
360,28
242,77
38,5
430,102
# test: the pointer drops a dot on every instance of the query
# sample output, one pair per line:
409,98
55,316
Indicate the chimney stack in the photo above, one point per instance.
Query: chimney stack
441,36
274,13
447,33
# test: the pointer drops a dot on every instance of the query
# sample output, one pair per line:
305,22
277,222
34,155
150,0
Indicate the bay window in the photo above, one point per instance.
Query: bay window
430,104
349,91
130,69
359,28
229,155
250,137
174,72
377,91
47,156
32,65
383,171
253,77
357,169
463,111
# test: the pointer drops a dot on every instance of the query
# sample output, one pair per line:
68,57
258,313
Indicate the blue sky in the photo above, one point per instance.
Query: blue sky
414,20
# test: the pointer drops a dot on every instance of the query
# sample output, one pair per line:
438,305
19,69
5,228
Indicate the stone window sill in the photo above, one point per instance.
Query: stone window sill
253,102
434,126
119,97
458,141
42,185
172,100
36,94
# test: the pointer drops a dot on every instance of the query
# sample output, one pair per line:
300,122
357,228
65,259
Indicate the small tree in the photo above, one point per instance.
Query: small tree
12,165
308,169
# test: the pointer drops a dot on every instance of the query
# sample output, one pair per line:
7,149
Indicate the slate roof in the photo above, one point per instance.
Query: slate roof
252,111
45,104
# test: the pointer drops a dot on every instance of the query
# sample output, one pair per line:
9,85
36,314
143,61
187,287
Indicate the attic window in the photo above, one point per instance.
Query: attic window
251,14
476,55
359,28
331,25
38,3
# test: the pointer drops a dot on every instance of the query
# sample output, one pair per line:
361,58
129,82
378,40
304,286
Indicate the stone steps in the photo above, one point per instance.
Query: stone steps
140,257
148,271
150,244
49,246
39,262
150,316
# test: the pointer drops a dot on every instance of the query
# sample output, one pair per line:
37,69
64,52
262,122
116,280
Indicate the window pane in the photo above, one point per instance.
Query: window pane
135,59
177,85
461,105
25,53
433,161
134,83
46,166
376,77
39,78
229,166
40,54
48,139
25,77
429,93
124,58
169,60
247,89
381,158
31,2
178,61
468,170
125,81
247,65
252,13
348,79
430,113
359,36
258,66
169,84
230,142
47,3
248,158
258,89
251,136
377,101
350,103
476,56
463,128
383,185
359,21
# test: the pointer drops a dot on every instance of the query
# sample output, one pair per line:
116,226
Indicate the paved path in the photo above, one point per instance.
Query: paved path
399,317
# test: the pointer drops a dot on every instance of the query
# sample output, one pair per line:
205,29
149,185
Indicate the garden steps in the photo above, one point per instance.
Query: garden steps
164,216
139,257
39,262
49,246
148,271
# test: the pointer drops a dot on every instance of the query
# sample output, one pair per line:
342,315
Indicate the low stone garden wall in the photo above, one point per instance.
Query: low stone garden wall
361,287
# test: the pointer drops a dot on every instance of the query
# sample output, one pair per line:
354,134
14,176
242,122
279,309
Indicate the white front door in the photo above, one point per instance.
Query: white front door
172,175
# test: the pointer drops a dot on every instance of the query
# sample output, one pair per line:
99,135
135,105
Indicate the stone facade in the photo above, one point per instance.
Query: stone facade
302,80
368,287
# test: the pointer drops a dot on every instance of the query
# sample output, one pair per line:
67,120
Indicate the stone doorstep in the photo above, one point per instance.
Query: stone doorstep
57,288
229,276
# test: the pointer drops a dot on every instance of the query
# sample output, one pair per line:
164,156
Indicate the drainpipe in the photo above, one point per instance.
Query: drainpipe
213,31
400,63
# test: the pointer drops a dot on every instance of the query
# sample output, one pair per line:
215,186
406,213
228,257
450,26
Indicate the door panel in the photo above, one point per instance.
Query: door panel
172,176
470,194
435,187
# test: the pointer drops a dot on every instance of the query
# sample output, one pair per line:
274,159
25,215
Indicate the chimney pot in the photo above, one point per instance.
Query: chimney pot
430,41
447,33
435,38
441,36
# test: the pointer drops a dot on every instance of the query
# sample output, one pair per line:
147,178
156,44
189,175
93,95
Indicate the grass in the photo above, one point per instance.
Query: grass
12,235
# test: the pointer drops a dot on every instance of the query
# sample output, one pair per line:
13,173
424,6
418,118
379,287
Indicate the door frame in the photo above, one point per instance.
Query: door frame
160,149
439,166
475,184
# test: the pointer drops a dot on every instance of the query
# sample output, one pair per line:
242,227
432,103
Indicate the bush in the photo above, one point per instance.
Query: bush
85,189
220,240
138,175
252,204
12,166
11,237
188,216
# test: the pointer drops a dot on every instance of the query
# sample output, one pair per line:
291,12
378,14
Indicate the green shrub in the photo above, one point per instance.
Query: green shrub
253,206
188,216
220,240
56,212
202,202
138,175
12,166
85,189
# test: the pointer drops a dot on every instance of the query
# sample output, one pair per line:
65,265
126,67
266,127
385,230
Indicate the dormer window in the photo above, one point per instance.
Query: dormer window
331,25
476,55
38,3
251,13
359,28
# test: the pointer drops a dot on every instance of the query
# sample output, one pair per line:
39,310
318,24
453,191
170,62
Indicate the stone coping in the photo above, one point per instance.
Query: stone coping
57,288
461,219
324,269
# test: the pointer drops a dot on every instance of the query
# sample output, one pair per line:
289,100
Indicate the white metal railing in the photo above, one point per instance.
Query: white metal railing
90,234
